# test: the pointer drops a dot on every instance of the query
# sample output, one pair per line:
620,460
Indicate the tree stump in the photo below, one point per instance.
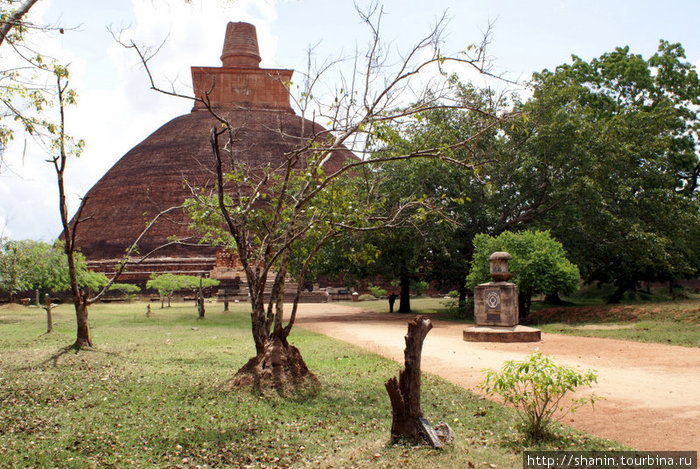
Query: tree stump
404,393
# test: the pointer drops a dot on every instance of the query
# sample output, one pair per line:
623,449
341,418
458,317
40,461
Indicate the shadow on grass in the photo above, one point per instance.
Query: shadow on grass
557,437
73,349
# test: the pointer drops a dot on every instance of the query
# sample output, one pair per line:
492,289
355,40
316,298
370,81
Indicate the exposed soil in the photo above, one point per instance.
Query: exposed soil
280,367
651,391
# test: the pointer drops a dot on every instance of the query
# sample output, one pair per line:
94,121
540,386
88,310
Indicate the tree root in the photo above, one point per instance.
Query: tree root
280,368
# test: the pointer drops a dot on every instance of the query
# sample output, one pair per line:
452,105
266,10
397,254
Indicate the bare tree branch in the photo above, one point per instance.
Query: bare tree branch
15,20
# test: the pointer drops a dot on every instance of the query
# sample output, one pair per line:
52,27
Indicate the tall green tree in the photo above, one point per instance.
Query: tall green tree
277,218
624,133
489,195
35,265
35,93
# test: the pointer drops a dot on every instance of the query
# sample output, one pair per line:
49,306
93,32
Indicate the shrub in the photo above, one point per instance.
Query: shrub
536,388
419,287
453,294
128,290
376,291
367,298
455,309
539,264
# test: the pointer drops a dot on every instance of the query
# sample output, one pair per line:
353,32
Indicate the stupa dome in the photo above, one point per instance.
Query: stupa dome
159,172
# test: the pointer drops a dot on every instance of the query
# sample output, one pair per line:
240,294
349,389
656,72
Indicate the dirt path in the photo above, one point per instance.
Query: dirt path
651,391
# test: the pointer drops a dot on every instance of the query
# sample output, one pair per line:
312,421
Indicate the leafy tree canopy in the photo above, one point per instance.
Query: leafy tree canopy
539,264
35,265
166,284
621,135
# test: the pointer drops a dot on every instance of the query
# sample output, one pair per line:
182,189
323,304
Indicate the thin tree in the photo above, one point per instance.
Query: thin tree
277,219
14,19
36,101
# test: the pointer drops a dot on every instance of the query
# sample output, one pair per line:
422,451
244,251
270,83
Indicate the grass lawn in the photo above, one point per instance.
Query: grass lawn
149,395
669,322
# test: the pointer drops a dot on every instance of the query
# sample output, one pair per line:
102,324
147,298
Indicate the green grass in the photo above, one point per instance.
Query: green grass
150,395
669,322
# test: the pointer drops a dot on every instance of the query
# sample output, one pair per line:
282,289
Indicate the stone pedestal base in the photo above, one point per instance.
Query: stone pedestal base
501,334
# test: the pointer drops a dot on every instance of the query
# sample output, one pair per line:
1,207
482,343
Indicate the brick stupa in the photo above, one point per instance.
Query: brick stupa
158,172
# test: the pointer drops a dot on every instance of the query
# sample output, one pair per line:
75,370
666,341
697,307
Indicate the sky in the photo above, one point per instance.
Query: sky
117,109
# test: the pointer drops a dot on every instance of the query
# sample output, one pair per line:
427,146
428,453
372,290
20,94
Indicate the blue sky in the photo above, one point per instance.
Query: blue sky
117,110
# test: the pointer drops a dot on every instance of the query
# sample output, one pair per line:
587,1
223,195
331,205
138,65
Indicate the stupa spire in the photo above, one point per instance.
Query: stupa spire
240,46
240,82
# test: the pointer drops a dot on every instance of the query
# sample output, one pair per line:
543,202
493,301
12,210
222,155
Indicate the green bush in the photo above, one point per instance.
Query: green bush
376,291
458,310
536,388
539,264
419,287
453,294
127,289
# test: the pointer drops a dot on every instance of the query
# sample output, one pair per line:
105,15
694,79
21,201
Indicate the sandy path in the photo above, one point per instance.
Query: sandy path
652,391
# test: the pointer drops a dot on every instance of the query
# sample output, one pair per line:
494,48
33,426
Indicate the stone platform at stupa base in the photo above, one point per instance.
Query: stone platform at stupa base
502,334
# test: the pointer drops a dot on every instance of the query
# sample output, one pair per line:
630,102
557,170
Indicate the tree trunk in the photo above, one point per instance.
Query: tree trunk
15,21
200,301
554,299
524,304
616,297
280,366
49,315
404,393
277,365
462,295
37,301
405,294
81,315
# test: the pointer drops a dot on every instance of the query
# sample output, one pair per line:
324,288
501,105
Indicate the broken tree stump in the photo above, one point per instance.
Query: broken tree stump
404,393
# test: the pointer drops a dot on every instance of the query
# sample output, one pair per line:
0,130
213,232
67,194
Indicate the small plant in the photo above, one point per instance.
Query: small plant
128,290
378,292
459,310
453,294
536,388
419,287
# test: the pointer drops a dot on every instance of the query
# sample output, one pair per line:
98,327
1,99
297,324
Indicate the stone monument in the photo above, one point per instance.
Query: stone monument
496,308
